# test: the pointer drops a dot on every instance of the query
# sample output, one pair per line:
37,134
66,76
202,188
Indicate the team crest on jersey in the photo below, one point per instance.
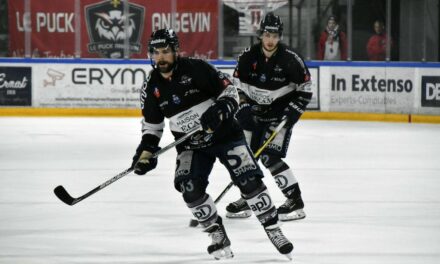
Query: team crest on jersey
109,25
176,99
156,92
262,78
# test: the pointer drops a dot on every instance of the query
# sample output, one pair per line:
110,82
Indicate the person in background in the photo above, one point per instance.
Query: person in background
376,46
332,43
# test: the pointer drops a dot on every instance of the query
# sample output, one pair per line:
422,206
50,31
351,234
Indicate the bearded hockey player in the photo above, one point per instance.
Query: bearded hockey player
274,83
192,94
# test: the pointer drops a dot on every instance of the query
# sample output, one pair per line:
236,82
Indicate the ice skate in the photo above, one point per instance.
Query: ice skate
283,245
292,209
238,209
220,247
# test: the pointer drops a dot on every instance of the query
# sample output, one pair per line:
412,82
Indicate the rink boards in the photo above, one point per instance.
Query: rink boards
384,91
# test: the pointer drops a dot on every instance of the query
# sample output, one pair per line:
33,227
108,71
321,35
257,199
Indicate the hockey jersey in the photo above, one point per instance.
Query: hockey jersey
193,87
273,82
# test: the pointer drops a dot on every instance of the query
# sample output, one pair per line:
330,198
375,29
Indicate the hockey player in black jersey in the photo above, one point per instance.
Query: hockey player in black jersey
273,83
192,94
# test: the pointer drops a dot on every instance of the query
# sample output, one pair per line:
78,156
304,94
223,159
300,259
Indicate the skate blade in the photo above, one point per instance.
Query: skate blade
295,215
242,214
223,253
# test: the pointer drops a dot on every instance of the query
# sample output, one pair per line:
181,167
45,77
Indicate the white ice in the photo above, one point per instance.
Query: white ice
372,194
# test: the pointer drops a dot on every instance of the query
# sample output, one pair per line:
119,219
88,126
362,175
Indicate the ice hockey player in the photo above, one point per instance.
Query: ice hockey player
191,93
273,83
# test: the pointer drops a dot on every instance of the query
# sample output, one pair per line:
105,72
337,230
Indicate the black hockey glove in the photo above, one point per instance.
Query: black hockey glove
143,160
263,114
245,117
293,112
220,111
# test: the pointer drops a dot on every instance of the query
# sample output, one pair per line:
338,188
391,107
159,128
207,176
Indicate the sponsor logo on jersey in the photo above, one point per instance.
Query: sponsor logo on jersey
260,96
278,79
176,99
263,78
188,120
191,91
277,68
185,80
143,98
109,26
163,104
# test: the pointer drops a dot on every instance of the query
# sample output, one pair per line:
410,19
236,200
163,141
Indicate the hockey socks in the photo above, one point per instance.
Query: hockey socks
292,209
261,204
204,210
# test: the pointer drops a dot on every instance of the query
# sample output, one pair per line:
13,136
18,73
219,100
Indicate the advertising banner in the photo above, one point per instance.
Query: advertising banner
428,92
15,86
368,89
107,27
51,27
89,85
314,102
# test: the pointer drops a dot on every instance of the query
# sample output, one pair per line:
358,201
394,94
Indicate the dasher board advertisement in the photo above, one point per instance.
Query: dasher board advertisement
89,85
368,89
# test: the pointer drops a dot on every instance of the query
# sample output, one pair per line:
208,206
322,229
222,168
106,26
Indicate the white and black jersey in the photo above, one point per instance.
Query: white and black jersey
272,82
193,87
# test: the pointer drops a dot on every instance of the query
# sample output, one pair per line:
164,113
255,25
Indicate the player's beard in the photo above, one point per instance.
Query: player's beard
165,67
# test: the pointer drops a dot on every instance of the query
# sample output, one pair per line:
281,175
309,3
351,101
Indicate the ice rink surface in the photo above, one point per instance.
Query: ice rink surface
372,194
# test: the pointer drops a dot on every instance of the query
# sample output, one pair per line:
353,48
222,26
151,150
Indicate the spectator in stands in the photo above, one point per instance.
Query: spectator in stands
333,42
376,46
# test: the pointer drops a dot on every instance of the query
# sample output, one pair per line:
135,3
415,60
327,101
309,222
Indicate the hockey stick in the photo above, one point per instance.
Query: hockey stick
65,197
194,222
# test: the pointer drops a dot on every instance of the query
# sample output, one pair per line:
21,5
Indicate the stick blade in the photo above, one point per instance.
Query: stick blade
63,195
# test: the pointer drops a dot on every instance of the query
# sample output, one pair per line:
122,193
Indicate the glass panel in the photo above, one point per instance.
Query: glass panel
330,30
419,37
19,27
65,29
370,35
4,29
